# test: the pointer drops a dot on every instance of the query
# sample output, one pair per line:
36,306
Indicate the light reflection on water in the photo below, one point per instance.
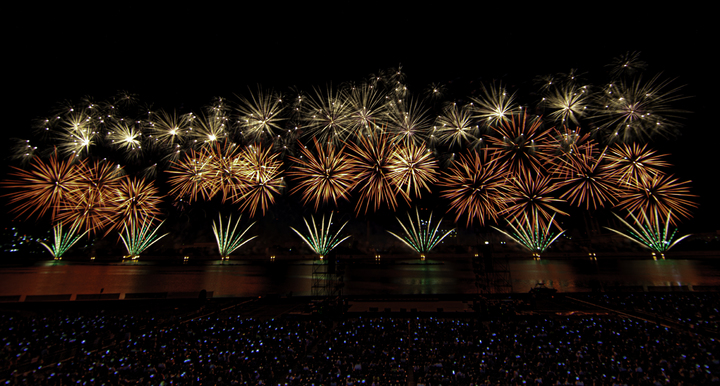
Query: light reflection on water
252,278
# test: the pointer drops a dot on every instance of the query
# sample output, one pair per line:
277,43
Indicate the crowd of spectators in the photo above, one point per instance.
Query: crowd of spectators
226,348
697,310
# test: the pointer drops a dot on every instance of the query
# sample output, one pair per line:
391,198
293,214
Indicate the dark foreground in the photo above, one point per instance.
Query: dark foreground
579,339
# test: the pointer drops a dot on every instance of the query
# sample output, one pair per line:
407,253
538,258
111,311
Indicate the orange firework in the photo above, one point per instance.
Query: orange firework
527,194
587,180
475,187
226,173
262,175
412,167
659,194
632,164
89,206
134,201
191,177
45,186
370,160
322,178
522,145
564,145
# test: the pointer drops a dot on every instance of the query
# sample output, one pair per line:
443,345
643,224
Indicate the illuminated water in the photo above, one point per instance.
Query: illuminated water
244,278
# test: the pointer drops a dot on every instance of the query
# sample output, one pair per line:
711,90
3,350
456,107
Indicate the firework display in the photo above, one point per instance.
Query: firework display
139,236
420,235
229,240
321,240
119,164
650,232
533,234
63,240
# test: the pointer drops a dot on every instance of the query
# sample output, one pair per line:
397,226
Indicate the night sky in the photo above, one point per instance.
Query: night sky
180,58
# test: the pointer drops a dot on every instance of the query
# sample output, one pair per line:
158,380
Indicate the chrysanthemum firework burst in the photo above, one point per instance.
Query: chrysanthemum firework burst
190,177
44,187
522,144
494,106
455,126
368,108
135,200
262,170
659,194
629,164
475,186
327,116
532,194
371,160
638,110
324,177
567,104
408,121
261,115
91,205
413,168
169,129
588,182
226,173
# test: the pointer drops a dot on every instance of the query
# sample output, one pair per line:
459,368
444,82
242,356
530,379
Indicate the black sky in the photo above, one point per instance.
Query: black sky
182,57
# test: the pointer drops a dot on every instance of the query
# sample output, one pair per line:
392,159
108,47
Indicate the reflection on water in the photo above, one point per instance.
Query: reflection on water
251,278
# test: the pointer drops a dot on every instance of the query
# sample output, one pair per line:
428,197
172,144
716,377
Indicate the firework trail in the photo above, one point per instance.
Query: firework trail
138,237
321,240
229,240
420,235
650,231
63,241
533,234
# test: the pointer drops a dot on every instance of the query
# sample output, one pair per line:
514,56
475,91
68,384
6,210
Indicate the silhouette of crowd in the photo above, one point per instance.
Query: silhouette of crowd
226,348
